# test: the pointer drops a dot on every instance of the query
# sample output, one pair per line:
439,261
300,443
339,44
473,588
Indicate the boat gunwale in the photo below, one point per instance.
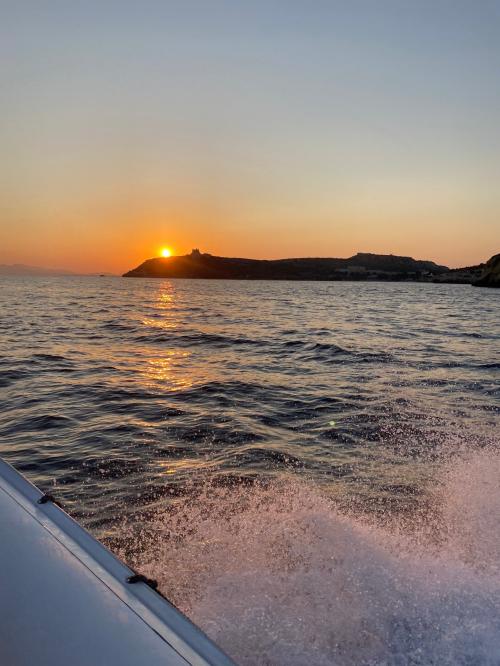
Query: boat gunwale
152,608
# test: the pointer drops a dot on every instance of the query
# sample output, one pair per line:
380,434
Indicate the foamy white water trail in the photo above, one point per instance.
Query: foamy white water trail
276,575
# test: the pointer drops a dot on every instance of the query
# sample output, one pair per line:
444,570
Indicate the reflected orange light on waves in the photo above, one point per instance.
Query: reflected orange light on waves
169,369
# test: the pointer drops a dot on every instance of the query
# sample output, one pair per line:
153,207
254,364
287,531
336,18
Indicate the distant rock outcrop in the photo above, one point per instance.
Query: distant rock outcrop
465,275
35,271
491,273
362,266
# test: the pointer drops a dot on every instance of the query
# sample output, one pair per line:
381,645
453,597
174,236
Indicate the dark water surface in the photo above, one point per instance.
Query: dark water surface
130,396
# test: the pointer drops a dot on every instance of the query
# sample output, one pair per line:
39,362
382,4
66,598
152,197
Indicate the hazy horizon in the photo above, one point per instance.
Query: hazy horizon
70,270
264,130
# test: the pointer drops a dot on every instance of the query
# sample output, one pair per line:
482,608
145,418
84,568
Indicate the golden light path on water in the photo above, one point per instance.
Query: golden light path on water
169,368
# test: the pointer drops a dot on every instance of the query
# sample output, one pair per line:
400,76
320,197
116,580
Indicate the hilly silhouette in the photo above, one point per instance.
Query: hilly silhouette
362,266
490,276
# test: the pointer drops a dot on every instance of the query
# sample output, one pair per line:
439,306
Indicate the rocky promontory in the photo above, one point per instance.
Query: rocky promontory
490,276
362,266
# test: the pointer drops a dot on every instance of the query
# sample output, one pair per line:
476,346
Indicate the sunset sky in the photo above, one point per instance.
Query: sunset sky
247,128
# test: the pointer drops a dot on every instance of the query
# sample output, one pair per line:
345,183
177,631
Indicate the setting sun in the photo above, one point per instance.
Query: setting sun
166,252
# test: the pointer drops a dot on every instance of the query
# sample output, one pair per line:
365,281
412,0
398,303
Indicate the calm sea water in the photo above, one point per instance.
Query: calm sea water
311,470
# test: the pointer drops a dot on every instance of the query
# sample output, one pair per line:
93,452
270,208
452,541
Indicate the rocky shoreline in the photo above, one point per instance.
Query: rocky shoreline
360,267
490,276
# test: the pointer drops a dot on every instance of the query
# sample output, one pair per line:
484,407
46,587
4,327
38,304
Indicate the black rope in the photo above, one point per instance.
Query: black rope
139,578
46,497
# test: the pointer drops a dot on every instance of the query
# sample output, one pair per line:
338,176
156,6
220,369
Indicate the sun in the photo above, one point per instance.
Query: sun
166,252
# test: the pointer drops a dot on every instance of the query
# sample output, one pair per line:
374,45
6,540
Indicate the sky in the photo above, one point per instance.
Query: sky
252,129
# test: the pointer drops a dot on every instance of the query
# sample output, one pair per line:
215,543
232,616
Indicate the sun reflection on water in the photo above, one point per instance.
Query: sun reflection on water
169,369
166,297
165,304
186,465
160,323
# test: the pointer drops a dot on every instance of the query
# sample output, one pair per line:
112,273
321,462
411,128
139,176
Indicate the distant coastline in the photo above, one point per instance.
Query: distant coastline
360,267
20,270
23,270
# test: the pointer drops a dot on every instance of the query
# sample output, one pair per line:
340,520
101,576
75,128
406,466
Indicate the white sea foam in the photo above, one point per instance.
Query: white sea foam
277,575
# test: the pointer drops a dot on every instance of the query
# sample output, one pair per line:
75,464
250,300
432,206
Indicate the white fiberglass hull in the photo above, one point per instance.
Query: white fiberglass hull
65,599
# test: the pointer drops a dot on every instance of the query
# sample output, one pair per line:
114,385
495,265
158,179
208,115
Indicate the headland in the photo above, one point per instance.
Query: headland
363,266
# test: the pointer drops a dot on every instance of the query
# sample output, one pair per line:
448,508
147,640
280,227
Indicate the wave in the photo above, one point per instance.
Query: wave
276,574
37,424
49,358
8,377
195,338
329,352
304,349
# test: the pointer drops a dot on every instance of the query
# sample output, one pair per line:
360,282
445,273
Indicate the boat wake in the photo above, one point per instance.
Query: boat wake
275,574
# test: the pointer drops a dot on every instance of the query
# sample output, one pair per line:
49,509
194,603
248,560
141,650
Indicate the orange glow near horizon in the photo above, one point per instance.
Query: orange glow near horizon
307,141
116,239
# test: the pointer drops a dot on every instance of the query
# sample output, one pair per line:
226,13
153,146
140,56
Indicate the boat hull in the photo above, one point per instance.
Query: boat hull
65,599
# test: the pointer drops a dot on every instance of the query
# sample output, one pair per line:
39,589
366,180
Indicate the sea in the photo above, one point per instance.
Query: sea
310,470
